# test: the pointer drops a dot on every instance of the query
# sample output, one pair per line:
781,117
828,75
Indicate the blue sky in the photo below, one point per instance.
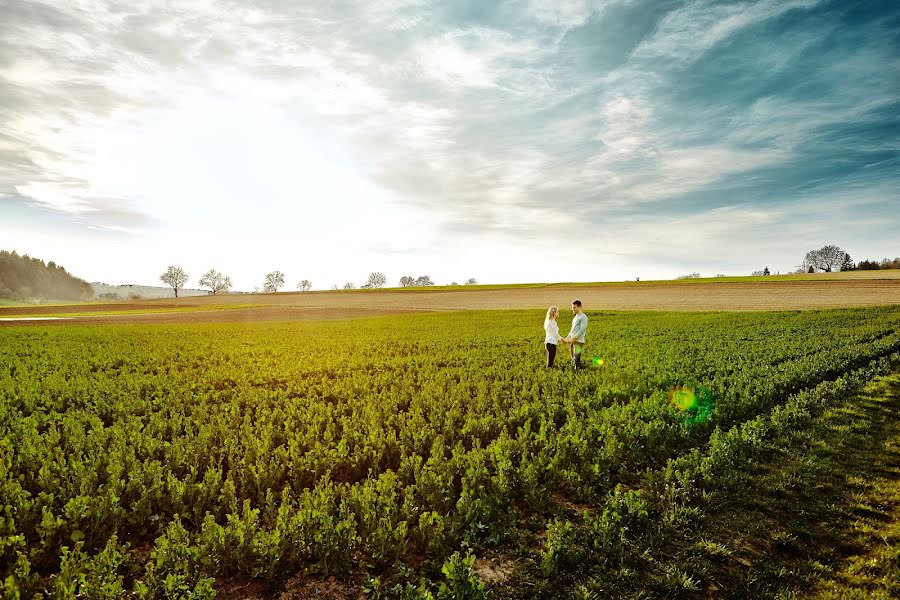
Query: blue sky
507,141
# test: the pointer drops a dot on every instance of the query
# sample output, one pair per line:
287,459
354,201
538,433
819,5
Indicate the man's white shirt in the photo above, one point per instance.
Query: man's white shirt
579,328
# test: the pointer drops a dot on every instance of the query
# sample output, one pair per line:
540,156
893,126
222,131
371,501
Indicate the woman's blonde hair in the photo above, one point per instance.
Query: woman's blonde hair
551,311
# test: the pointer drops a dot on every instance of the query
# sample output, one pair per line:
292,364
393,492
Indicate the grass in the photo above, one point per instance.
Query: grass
817,517
138,311
5,302
822,517
837,276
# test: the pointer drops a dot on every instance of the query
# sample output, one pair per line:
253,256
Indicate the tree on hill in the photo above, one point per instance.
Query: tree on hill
25,279
471,281
423,281
174,277
407,281
216,282
376,280
274,280
304,285
847,263
826,258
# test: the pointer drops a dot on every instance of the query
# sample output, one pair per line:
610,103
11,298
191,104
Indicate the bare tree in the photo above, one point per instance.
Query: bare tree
471,281
175,277
335,287
453,283
375,280
407,281
274,280
349,286
304,285
826,258
215,281
423,281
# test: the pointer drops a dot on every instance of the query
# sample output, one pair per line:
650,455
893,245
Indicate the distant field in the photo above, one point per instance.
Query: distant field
784,292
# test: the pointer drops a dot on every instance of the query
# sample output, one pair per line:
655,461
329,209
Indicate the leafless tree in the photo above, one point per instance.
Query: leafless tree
274,280
304,285
349,286
175,277
826,258
375,280
471,281
423,281
215,281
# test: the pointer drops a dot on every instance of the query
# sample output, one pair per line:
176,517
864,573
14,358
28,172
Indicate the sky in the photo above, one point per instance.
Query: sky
509,141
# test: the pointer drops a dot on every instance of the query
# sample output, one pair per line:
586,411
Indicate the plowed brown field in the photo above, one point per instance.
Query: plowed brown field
687,296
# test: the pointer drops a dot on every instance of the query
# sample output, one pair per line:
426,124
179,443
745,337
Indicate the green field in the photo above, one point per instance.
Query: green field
382,456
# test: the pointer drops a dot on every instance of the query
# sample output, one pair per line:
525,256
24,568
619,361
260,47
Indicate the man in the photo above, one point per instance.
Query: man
575,339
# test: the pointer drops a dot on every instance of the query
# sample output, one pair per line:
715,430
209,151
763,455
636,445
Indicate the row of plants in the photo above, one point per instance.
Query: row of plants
150,459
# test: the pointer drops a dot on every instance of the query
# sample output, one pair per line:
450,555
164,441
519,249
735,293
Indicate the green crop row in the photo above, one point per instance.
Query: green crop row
154,458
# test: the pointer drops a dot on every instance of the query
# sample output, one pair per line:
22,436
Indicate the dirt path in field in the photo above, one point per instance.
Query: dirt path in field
725,296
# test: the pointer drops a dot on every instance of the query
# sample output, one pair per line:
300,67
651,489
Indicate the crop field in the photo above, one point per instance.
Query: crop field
424,455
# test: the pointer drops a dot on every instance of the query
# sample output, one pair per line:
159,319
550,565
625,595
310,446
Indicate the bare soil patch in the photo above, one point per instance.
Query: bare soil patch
293,306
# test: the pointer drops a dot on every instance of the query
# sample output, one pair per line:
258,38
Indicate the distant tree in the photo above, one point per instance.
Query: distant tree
335,287
375,280
720,275
27,279
174,277
407,281
867,265
847,263
274,280
471,281
690,276
349,286
454,283
812,269
766,271
304,285
887,263
423,281
826,258
216,282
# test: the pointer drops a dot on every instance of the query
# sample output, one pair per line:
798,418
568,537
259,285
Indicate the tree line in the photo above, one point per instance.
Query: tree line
24,278
833,258
216,282
829,259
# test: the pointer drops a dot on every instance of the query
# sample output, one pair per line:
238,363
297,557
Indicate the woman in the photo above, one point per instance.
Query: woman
552,337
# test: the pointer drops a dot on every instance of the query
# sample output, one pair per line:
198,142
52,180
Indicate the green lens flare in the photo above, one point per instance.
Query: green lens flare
598,361
696,404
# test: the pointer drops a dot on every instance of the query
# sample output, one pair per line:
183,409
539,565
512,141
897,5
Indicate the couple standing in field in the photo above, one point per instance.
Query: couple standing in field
575,339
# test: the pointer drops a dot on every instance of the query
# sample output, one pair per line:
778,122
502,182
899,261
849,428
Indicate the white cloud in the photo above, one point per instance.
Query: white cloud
687,33
565,14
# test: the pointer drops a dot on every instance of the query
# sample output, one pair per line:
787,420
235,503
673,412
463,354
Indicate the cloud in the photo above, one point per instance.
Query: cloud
687,33
507,121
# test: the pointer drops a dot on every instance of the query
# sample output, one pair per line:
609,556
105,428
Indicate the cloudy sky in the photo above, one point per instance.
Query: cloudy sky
517,140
